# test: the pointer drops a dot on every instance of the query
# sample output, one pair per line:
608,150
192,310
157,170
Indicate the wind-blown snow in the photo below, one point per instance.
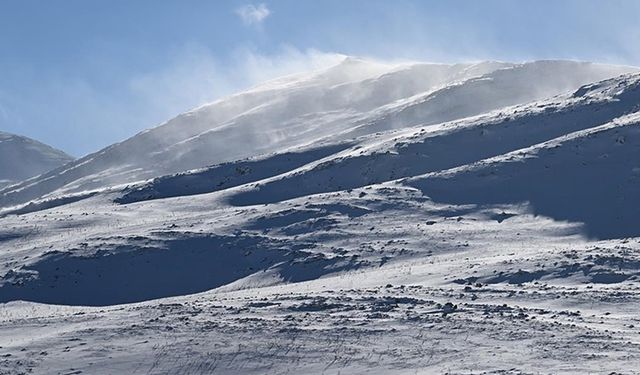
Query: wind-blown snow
354,98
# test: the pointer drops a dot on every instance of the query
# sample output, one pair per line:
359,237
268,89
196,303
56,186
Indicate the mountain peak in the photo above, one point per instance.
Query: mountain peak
22,158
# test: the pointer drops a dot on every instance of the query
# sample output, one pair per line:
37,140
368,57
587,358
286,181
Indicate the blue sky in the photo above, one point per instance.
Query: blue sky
82,74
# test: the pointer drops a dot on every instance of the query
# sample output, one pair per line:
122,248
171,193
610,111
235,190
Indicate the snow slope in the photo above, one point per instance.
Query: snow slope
421,150
504,242
21,158
590,176
354,98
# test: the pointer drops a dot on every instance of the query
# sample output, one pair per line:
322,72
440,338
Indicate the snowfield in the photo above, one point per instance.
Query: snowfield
366,218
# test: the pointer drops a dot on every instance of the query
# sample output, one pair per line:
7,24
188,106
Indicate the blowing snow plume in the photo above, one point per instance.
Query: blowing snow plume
353,98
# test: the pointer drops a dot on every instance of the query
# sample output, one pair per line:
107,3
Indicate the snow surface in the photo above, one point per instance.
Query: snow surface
483,221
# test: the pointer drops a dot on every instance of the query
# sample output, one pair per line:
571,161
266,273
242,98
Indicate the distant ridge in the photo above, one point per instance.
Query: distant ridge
22,158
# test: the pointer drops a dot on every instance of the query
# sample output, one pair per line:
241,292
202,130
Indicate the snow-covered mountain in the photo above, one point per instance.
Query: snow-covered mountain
22,157
368,218
354,98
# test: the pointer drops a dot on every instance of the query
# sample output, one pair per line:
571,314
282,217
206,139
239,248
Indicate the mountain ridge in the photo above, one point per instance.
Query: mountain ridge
325,106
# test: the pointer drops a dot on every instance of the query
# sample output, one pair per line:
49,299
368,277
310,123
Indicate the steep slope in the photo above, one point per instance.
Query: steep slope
21,158
510,85
421,150
598,113
590,176
353,98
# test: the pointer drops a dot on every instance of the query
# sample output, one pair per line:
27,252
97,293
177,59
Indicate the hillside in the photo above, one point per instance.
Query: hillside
353,98
482,221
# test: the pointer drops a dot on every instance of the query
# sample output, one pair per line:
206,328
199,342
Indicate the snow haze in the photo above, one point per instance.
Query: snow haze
97,73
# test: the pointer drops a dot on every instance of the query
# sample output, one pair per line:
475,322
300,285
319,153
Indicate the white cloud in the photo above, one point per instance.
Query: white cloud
253,14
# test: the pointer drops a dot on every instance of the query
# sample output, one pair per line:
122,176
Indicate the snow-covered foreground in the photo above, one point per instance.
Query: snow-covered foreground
380,279
507,242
